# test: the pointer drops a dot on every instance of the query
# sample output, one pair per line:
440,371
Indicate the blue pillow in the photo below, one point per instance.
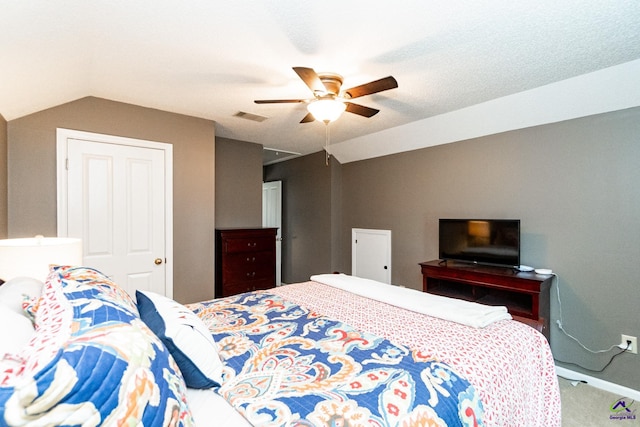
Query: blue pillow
185,335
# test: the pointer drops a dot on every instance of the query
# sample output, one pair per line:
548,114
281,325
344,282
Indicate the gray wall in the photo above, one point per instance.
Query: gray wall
574,185
337,247
32,177
238,183
3,178
308,196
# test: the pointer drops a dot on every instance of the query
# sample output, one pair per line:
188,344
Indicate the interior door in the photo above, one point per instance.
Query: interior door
115,202
272,217
371,254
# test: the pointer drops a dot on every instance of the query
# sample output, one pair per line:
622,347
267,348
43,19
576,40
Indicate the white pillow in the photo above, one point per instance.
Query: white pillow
185,335
16,290
16,331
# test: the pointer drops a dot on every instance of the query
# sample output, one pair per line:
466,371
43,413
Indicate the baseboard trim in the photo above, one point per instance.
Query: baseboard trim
618,389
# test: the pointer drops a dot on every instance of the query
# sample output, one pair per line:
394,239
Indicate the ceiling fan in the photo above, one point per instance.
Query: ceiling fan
329,101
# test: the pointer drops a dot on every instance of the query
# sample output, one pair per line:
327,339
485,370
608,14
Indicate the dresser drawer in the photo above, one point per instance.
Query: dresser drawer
249,260
255,271
240,288
248,244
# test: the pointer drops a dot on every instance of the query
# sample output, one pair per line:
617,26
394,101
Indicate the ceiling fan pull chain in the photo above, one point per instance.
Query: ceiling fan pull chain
326,143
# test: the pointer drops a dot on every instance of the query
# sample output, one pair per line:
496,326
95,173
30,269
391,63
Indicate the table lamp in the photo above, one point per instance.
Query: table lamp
31,257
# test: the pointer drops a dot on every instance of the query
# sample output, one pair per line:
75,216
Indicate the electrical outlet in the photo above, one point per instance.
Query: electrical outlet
633,348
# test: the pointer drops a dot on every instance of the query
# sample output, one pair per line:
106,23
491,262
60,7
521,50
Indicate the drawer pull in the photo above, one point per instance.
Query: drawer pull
252,244
251,259
252,274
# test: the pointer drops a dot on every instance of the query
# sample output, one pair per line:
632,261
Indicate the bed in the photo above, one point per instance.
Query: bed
333,350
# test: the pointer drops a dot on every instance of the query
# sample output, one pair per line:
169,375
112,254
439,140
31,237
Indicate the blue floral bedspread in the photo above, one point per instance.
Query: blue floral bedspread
286,365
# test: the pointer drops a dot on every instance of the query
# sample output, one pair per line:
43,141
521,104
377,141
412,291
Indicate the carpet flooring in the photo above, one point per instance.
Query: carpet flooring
586,406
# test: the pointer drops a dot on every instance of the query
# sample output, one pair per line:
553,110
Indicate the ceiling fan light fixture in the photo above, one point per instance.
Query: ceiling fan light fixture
326,110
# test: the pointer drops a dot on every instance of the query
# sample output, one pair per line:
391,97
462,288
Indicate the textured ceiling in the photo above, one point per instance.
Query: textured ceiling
211,59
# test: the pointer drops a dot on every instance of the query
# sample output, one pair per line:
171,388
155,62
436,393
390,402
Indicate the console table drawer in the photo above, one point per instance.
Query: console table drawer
495,277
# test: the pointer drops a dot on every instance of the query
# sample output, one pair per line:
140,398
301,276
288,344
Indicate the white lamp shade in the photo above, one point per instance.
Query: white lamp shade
31,257
326,110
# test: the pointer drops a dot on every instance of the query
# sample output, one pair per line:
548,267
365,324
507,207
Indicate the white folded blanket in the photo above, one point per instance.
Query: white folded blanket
454,310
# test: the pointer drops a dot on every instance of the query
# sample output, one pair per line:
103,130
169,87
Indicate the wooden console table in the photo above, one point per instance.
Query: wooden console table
526,295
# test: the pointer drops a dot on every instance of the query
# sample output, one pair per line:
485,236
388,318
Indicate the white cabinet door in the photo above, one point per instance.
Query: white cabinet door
371,254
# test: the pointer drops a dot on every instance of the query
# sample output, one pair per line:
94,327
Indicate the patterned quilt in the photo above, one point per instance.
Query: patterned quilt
286,365
91,362
509,363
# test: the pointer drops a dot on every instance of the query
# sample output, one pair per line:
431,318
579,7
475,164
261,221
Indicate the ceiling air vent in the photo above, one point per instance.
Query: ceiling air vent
249,116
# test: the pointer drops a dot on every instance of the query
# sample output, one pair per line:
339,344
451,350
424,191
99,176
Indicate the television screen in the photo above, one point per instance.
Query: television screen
481,241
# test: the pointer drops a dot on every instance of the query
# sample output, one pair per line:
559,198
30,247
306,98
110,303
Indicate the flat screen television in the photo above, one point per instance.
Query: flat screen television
480,241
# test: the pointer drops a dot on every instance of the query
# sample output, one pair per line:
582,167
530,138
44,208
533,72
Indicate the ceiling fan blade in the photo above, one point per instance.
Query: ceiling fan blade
361,110
279,101
310,78
372,87
308,118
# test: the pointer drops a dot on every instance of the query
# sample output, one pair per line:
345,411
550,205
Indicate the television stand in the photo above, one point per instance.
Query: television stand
526,295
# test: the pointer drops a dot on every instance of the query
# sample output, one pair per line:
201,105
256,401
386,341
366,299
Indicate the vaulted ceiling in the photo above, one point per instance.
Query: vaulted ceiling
212,59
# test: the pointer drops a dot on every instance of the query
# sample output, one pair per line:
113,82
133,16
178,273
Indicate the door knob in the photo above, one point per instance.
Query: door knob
157,261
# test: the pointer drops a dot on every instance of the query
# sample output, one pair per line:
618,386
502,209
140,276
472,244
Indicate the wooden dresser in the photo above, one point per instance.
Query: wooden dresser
245,260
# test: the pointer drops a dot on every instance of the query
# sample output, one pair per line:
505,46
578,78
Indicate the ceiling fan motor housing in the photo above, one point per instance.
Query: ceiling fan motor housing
332,82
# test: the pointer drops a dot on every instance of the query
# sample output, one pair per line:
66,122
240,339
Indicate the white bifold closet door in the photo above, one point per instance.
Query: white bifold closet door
116,204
